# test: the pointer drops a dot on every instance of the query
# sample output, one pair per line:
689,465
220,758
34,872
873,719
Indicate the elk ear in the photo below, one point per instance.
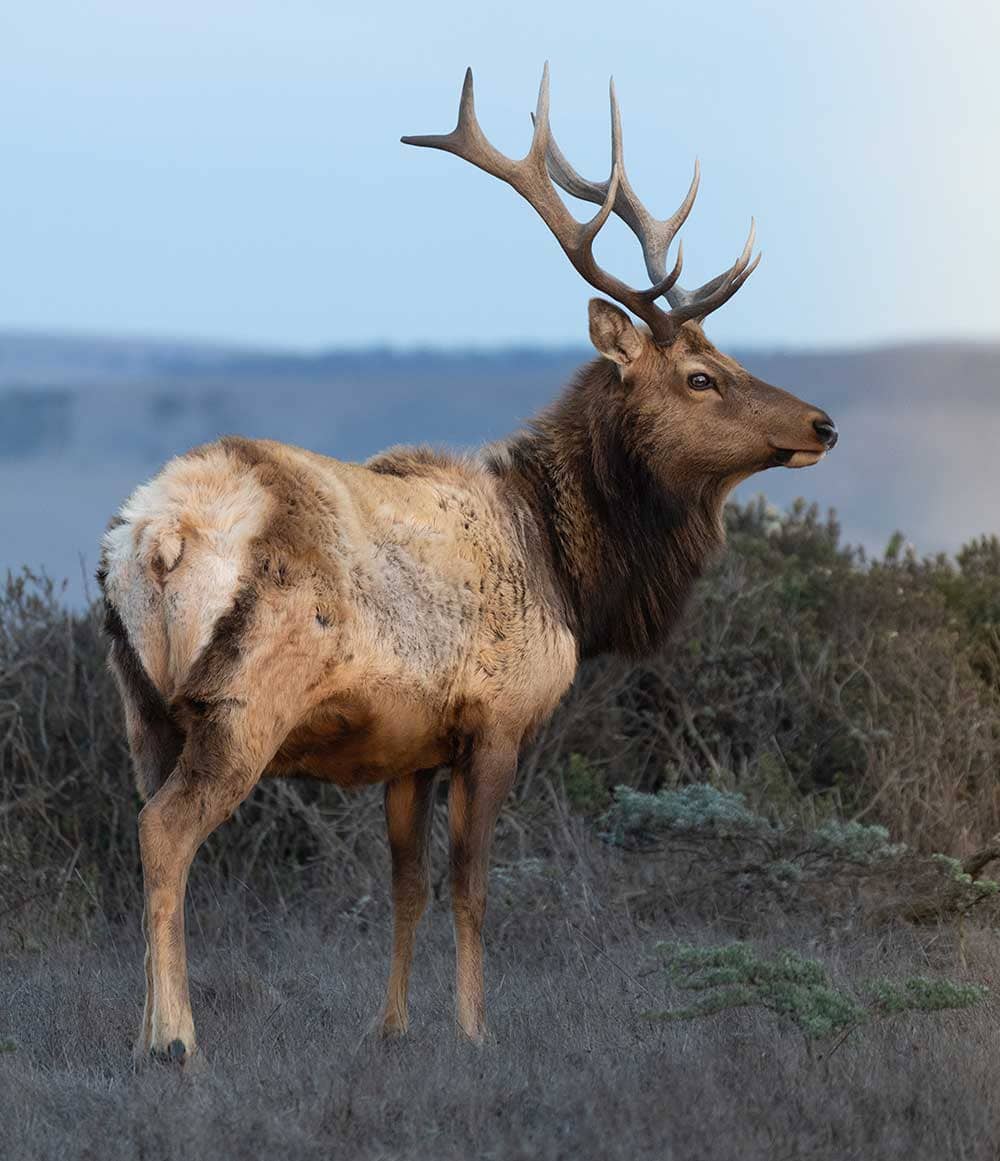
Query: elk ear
613,333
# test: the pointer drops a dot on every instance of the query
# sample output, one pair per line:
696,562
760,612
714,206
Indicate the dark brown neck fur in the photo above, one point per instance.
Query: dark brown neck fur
626,547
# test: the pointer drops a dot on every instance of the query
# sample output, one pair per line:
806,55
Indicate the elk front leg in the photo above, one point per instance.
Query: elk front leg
217,769
145,1038
409,806
478,789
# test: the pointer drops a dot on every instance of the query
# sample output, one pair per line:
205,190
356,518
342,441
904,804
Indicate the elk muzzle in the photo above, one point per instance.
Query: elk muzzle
822,436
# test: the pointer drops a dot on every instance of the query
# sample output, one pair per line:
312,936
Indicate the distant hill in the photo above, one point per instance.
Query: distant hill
84,420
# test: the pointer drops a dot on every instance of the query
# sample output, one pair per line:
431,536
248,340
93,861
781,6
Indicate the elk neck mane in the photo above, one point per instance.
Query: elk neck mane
625,541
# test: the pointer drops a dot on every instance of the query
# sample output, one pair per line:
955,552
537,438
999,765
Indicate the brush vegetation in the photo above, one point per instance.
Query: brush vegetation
798,798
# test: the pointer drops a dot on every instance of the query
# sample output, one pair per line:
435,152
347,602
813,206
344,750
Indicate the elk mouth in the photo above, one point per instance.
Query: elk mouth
790,457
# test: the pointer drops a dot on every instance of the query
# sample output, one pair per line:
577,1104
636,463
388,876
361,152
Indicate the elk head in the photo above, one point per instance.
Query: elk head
707,415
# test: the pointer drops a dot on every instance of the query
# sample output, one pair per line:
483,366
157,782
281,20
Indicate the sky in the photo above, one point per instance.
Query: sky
232,171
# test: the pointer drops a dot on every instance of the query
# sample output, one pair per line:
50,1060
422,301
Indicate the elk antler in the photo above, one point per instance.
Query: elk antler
655,236
544,163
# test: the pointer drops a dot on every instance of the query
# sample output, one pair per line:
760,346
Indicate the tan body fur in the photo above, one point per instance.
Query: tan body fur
394,615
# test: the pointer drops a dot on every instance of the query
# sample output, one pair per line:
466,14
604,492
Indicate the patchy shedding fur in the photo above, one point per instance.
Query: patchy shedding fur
272,611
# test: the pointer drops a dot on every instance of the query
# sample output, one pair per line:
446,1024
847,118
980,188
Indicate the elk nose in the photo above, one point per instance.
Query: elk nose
826,429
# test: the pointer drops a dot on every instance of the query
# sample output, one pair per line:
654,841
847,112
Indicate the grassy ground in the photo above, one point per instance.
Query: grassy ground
284,991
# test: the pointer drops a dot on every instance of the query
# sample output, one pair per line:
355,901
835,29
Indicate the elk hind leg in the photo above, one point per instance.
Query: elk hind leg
155,742
223,757
409,804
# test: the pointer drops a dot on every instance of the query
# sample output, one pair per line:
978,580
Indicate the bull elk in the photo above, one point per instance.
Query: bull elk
272,611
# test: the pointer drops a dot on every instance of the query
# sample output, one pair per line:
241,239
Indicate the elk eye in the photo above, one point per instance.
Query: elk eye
700,381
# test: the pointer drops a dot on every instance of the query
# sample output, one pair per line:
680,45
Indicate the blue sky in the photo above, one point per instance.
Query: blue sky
232,170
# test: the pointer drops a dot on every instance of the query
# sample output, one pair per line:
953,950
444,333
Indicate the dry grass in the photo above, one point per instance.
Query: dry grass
284,994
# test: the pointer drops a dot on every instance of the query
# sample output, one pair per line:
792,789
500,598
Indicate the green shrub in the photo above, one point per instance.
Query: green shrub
963,892
797,990
854,842
922,994
641,821
584,786
637,817
734,976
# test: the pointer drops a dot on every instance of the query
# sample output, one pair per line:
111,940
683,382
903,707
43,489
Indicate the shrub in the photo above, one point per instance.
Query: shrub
636,817
962,892
583,785
640,821
797,990
735,976
922,994
854,842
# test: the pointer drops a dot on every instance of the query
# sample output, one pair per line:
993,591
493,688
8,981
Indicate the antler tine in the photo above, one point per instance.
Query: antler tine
530,178
540,119
701,302
679,297
666,283
655,236
467,139
578,237
613,184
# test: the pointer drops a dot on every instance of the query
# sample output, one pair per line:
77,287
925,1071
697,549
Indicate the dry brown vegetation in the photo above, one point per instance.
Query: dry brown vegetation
819,685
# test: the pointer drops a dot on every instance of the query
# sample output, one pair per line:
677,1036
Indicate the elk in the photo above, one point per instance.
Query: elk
272,611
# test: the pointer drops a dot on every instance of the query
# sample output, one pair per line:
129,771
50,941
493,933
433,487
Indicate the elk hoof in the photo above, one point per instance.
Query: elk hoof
176,1055
391,1028
476,1035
